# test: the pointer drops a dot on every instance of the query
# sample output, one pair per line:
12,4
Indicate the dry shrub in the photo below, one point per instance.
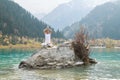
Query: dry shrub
81,46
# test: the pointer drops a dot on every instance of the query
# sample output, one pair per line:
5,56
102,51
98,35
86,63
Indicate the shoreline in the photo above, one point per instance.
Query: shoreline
99,47
96,47
21,46
38,46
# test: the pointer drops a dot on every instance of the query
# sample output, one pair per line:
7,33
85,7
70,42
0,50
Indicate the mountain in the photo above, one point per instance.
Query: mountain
102,21
39,15
68,13
16,21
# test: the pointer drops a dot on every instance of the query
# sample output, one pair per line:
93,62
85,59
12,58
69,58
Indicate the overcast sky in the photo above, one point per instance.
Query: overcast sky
40,6
45,6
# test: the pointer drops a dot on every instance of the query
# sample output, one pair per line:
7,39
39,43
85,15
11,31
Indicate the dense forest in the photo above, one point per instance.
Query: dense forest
16,21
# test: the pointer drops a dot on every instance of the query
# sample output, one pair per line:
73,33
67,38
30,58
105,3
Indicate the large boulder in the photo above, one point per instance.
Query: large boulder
62,56
51,58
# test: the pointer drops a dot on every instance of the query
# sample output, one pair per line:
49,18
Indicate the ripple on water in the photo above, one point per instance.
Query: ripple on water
108,68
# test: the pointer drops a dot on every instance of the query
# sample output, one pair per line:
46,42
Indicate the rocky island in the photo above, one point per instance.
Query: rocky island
71,54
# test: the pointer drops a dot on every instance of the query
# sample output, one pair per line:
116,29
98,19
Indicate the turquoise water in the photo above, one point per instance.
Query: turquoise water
108,67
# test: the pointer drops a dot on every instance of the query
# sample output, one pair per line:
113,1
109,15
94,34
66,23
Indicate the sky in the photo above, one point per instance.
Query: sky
37,7
40,6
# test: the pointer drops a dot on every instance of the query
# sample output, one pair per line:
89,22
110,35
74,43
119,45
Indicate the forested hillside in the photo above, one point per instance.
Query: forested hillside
14,20
102,22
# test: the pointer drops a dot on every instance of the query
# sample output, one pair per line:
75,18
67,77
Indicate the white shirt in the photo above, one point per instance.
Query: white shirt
47,38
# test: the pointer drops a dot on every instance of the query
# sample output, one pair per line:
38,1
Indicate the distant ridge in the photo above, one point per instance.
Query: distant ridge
103,21
68,13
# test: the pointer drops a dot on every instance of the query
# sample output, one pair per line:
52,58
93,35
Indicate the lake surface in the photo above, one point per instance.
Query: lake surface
108,67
